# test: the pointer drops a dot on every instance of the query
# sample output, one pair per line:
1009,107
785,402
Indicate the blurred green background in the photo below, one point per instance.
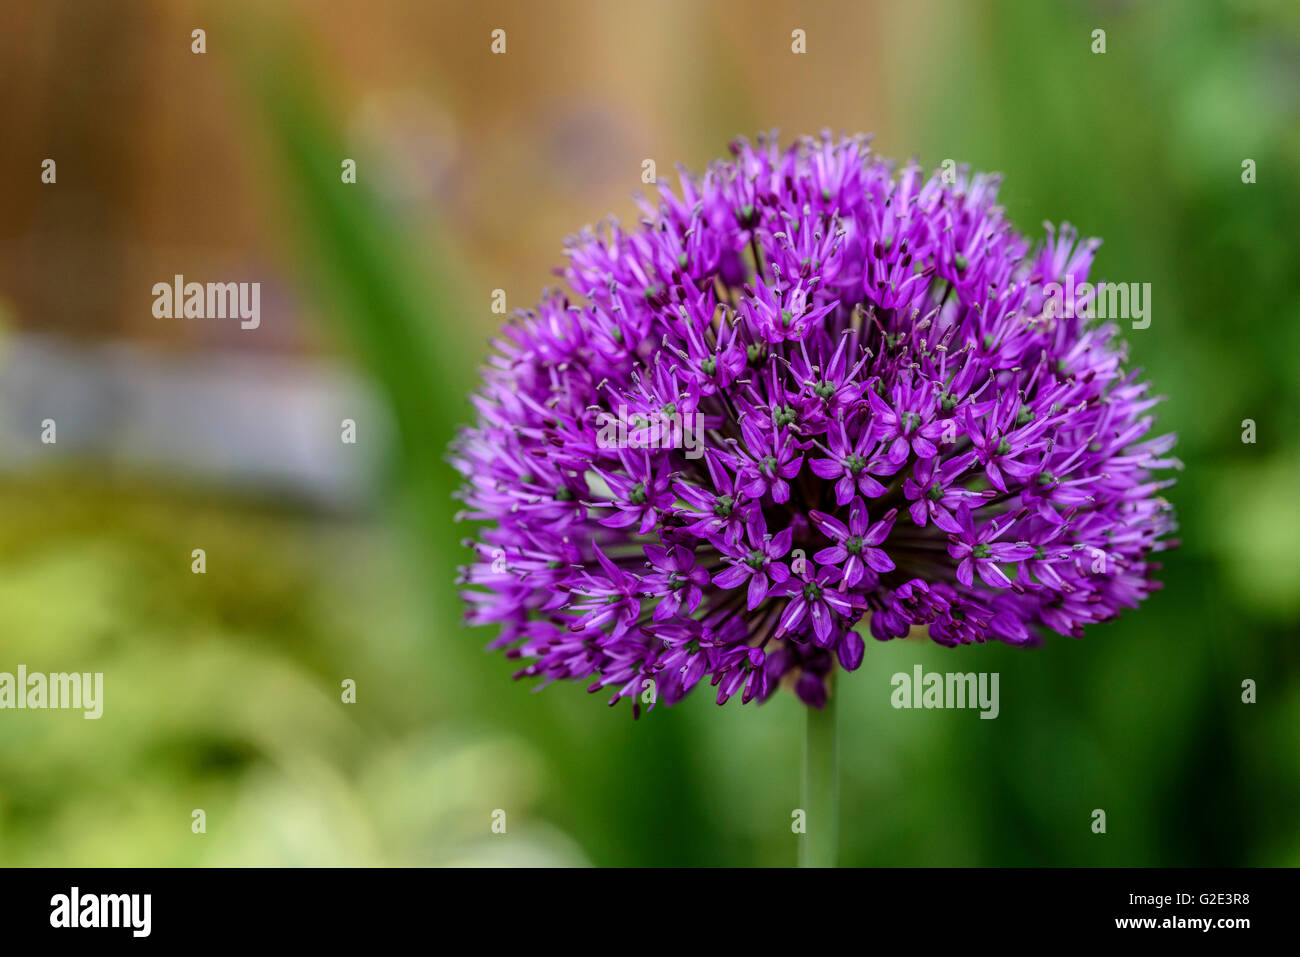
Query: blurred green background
222,691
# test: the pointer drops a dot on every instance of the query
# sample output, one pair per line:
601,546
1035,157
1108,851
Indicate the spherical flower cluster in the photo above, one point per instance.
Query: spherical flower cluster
808,396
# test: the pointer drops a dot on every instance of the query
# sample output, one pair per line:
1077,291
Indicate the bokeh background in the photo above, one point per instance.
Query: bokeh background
328,562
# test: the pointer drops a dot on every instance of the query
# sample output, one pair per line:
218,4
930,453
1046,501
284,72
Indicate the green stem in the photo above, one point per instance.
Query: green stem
819,845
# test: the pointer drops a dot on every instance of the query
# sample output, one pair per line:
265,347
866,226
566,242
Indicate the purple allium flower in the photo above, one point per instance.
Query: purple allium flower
855,543
849,340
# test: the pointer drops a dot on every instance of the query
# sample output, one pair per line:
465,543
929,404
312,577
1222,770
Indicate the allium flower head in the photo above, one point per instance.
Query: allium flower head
894,432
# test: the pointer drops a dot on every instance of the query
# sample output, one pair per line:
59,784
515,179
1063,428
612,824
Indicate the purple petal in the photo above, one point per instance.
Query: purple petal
851,651
732,577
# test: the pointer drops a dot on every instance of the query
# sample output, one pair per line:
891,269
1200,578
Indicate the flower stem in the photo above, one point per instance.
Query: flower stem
819,844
